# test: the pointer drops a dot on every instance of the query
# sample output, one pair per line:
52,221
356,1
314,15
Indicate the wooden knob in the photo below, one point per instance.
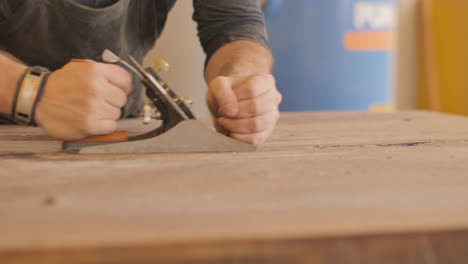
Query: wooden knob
118,136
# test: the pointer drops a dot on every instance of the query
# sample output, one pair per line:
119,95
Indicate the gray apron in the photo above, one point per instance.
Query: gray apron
49,33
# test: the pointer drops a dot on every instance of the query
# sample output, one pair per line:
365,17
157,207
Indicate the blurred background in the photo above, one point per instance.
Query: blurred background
345,55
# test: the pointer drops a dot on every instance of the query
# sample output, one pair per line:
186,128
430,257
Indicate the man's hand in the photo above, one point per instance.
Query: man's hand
82,99
245,107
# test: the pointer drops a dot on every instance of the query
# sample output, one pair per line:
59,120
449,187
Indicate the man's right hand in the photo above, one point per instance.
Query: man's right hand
83,99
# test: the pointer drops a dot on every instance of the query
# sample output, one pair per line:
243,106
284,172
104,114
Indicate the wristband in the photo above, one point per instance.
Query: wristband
40,91
27,94
15,97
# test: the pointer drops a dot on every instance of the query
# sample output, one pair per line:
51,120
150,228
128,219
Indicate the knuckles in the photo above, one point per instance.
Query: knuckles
258,81
89,106
256,125
262,124
277,116
123,101
87,123
267,79
254,107
218,83
250,91
279,97
87,126
256,139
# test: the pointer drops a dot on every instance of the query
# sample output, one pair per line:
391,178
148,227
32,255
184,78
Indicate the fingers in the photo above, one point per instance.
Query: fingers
113,74
254,138
265,103
117,76
250,125
247,108
108,112
100,127
221,92
108,95
253,130
254,86
83,98
115,96
254,96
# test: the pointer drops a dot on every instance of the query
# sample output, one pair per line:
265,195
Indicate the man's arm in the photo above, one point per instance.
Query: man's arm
11,70
239,58
80,99
242,94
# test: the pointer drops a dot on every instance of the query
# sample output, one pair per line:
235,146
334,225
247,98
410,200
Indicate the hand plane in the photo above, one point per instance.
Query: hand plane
180,131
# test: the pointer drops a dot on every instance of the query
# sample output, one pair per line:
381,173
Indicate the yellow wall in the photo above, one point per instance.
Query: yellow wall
446,56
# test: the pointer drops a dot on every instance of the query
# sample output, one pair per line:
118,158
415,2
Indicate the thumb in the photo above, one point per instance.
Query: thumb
226,103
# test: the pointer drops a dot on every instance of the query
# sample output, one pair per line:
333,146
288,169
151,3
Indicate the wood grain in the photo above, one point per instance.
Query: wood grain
338,183
437,247
316,130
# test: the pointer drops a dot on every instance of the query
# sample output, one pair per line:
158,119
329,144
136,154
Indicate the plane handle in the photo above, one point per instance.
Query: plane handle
117,136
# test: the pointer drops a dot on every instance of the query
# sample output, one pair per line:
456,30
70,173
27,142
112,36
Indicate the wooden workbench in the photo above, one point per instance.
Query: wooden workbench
327,188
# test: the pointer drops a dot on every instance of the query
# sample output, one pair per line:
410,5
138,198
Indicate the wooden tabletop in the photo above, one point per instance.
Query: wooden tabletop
327,188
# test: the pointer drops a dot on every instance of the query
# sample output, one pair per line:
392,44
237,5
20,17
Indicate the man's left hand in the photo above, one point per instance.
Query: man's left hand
245,107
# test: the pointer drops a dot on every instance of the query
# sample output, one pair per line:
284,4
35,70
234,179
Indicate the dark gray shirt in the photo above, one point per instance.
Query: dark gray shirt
51,32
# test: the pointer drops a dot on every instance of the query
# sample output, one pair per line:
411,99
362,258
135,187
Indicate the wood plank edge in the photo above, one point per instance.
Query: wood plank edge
445,246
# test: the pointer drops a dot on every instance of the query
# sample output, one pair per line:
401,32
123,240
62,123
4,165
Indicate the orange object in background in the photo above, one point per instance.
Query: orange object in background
370,41
444,63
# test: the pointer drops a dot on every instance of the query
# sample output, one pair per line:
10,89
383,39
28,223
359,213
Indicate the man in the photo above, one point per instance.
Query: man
84,97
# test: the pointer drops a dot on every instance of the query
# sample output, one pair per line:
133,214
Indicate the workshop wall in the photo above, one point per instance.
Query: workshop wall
333,55
179,46
407,62
444,64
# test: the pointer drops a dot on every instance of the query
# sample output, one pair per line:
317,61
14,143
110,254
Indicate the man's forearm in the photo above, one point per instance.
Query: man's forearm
242,94
239,58
11,70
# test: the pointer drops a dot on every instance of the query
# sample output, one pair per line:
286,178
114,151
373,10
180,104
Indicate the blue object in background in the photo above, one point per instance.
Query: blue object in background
313,67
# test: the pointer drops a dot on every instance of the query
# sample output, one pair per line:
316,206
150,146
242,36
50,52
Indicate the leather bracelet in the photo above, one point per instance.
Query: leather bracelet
15,97
27,95
40,92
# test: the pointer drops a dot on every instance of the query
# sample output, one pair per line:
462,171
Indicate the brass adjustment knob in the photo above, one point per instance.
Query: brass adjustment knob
187,101
160,65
